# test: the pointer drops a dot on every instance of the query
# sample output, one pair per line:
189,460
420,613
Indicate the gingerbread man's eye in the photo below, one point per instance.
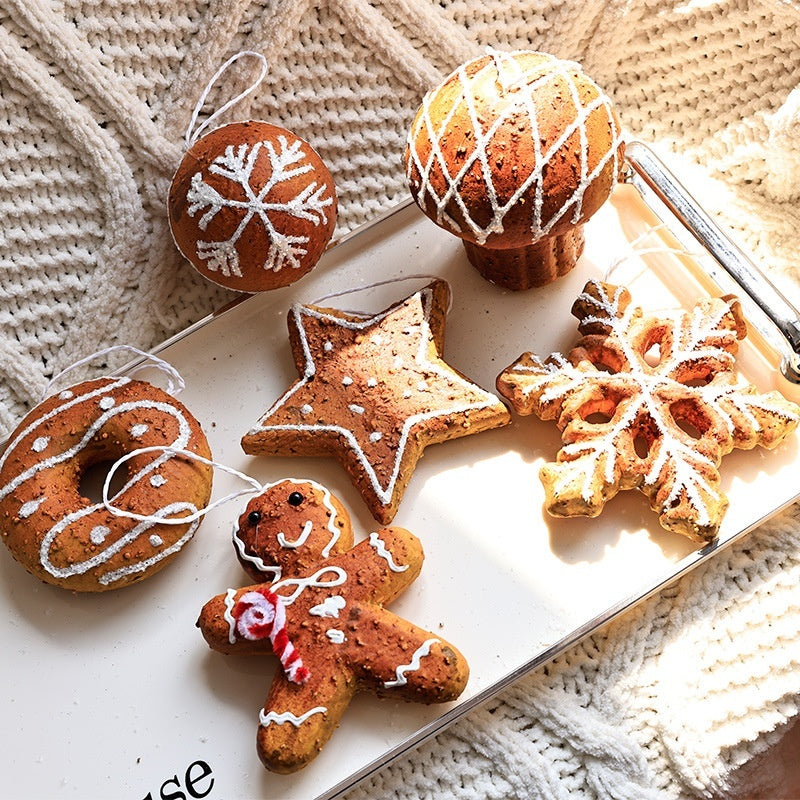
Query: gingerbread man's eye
295,498
254,517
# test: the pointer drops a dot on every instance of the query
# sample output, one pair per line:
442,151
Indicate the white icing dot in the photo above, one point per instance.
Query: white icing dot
327,347
40,444
398,362
406,394
347,380
337,637
422,386
139,430
156,541
157,480
356,409
106,403
375,436
30,507
306,409
372,382
99,533
65,395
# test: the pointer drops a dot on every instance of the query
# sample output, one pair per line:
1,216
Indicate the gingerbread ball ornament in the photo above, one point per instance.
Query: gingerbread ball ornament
252,206
513,153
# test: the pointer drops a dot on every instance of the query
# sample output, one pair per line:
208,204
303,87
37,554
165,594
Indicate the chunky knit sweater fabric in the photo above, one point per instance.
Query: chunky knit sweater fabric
94,109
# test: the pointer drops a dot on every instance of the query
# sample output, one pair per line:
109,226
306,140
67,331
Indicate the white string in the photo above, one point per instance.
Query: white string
191,134
634,252
367,287
255,486
175,382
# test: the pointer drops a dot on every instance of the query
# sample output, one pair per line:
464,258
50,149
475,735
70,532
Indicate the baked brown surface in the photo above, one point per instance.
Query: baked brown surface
322,613
252,206
513,153
373,393
647,402
70,541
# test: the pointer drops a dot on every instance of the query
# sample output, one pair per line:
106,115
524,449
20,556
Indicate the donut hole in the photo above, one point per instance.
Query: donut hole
94,477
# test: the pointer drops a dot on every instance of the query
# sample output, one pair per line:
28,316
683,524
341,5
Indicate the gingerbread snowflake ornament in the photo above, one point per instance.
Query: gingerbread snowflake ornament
373,392
649,403
319,607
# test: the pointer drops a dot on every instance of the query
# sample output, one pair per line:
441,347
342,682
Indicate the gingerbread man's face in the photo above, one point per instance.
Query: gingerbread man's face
291,525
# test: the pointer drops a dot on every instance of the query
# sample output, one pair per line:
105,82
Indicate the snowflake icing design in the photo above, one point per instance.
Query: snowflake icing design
237,165
651,403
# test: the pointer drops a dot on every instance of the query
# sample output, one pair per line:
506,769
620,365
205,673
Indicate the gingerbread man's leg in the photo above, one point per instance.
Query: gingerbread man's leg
398,659
301,718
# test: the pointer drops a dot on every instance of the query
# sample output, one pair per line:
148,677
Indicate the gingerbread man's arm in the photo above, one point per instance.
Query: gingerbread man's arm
382,566
297,720
219,626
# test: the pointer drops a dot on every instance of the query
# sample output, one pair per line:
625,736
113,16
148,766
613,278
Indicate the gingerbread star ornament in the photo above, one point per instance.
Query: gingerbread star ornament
373,392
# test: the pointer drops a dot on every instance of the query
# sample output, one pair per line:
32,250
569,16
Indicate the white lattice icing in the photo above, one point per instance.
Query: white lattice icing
519,90
237,165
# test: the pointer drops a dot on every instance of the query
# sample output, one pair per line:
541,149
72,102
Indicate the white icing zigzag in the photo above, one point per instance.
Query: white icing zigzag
267,718
423,650
380,549
521,89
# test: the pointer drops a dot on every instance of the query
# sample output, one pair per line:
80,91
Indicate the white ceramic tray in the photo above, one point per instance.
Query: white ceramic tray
118,695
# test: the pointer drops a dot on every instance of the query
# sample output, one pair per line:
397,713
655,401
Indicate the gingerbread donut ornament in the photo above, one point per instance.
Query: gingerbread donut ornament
513,153
252,206
66,539
319,608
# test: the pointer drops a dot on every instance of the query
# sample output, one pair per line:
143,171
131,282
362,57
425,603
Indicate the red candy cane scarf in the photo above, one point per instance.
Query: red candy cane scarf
259,614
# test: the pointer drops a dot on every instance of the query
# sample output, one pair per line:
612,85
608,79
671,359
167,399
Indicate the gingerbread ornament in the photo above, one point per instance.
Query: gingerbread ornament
513,153
64,538
320,609
647,402
373,392
252,205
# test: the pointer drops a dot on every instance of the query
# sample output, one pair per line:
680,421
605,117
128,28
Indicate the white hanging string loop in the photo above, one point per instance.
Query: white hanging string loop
634,251
399,279
192,133
254,486
175,382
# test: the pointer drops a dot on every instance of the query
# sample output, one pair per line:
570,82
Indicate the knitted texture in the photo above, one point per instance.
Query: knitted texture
94,110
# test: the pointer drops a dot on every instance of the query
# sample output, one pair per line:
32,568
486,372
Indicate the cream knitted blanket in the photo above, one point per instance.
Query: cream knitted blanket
94,107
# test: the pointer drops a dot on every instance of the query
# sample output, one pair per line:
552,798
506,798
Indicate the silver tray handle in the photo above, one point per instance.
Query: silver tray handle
781,313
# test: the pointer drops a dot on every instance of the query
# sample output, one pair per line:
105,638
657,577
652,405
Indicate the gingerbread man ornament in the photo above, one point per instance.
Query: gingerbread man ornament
319,607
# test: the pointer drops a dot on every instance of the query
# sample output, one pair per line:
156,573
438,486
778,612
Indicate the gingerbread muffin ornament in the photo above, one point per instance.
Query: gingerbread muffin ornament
252,205
513,153
319,608
631,421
